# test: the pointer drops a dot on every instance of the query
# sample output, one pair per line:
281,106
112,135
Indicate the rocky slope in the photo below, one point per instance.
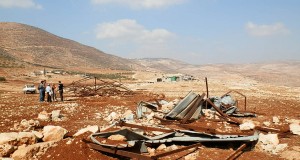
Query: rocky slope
35,46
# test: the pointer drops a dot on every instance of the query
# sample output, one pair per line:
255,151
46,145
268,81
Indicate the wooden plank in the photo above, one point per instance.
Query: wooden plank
233,155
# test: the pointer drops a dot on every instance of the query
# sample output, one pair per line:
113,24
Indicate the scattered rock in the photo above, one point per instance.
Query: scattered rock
295,128
26,126
150,116
37,134
69,141
26,138
112,116
55,115
98,115
209,114
162,147
92,129
279,148
17,139
103,141
6,150
151,151
267,123
53,133
173,147
192,156
117,137
290,155
167,107
6,158
292,120
28,152
9,138
44,116
276,120
248,125
128,115
269,139
270,143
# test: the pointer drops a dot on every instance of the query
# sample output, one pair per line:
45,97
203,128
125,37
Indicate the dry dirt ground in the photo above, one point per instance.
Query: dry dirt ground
267,100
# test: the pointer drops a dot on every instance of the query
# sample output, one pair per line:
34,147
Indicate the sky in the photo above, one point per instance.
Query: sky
194,31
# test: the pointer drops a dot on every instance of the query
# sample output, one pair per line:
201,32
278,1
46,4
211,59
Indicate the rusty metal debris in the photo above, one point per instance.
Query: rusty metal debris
245,98
135,155
91,86
188,109
178,125
135,145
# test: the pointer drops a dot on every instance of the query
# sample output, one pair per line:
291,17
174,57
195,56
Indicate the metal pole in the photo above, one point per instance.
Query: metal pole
206,87
206,91
95,84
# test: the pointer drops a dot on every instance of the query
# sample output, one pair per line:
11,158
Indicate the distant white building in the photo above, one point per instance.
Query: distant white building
175,78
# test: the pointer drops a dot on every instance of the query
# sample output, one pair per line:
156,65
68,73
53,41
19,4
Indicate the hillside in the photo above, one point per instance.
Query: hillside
166,65
284,73
32,45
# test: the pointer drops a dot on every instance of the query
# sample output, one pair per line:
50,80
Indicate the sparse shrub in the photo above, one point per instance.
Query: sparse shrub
2,79
109,76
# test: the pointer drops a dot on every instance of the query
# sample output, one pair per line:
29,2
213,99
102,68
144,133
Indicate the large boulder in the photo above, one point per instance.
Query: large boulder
270,143
53,133
9,138
26,126
295,128
26,138
31,151
17,139
6,150
92,129
248,125
38,135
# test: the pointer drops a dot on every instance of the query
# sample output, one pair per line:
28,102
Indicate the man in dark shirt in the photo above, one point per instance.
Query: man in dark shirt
61,90
42,91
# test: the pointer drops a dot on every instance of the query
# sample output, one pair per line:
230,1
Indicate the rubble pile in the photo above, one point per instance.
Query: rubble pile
55,115
158,128
30,144
160,123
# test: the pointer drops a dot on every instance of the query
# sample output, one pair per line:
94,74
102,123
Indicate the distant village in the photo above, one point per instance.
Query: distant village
175,78
44,72
159,78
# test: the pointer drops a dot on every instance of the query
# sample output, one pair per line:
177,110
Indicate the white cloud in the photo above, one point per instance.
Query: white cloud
126,36
19,4
266,30
137,4
129,30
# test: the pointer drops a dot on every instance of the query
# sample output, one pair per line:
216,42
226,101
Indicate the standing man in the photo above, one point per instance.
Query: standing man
42,91
49,93
61,90
53,92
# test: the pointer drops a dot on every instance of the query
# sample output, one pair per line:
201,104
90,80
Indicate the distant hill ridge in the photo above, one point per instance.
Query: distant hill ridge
33,45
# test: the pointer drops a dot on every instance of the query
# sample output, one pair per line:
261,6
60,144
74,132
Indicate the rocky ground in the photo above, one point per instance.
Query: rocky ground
34,130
